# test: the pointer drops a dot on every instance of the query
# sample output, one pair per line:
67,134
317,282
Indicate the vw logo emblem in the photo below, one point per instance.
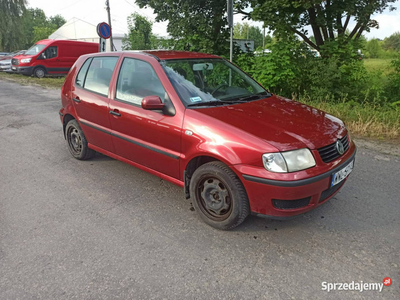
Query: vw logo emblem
339,147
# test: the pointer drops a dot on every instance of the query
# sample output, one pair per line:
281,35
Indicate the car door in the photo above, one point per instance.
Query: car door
49,59
90,99
148,137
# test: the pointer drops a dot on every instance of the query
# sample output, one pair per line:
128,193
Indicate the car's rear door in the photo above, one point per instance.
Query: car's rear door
150,138
91,99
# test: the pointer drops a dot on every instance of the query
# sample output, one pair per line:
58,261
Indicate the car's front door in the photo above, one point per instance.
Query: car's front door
49,58
90,99
150,138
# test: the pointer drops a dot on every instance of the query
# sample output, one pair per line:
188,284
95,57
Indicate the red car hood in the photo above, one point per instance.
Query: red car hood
283,123
22,56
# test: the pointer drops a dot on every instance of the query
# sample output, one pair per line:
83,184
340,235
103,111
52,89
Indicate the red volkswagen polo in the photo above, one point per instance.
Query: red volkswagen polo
200,122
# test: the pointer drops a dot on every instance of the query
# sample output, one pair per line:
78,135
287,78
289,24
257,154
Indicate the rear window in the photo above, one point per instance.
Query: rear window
96,75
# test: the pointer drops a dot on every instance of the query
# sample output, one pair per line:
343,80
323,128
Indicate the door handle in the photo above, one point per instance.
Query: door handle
115,112
76,99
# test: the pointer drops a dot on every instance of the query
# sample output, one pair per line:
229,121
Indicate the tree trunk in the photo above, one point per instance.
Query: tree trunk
316,30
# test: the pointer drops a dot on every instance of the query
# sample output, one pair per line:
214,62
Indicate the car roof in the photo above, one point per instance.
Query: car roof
169,54
161,54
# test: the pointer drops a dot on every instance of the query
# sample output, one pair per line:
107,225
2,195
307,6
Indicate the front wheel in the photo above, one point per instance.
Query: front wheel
39,72
219,196
77,143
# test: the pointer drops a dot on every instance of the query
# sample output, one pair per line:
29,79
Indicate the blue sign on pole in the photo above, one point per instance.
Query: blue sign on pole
104,30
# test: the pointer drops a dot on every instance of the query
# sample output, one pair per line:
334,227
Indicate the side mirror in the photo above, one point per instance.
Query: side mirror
152,103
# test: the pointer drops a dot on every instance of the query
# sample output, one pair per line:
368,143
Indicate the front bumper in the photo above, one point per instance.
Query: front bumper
5,68
23,70
288,198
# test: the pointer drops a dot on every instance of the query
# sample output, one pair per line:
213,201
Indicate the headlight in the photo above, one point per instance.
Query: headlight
274,162
26,60
290,161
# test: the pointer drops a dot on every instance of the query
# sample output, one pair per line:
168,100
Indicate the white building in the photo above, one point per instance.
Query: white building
79,30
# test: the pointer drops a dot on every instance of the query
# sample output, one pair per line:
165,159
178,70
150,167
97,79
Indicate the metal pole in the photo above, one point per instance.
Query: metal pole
230,57
263,41
231,42
109,23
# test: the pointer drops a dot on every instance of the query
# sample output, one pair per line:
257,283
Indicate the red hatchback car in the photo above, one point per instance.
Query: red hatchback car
200,122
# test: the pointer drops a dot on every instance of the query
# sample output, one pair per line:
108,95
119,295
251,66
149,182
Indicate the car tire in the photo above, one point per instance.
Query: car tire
39,72
219,196
77,143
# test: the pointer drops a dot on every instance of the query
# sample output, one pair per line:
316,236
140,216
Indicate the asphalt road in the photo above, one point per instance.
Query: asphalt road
102,229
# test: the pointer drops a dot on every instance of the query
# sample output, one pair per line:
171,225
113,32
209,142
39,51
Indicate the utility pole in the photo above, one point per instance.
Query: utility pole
263,41
109,23
230,23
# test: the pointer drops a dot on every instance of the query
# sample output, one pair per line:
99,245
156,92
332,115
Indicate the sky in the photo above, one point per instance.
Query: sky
93,11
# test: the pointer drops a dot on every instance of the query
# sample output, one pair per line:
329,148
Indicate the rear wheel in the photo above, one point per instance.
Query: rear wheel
77,143
39,72
219,196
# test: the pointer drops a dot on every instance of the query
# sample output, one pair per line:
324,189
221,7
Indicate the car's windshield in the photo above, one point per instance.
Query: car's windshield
35,49
204,80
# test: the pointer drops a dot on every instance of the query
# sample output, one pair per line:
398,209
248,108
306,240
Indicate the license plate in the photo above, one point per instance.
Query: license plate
14,68
342,174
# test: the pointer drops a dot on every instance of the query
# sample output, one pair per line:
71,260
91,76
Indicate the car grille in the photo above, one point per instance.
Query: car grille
330,153
15,62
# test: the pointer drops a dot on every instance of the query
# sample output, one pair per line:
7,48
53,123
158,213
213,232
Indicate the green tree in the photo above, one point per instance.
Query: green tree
374,48
57,21
42,33
38,27
140,33
11,30
196,25
392,42
329,20
245,31
32,17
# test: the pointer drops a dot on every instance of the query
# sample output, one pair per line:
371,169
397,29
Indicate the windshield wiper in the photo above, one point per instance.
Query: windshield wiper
254,97
210,103
247,98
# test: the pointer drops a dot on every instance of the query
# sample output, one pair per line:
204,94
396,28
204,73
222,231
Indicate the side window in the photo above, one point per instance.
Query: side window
80,78
99,74
50,52
136,80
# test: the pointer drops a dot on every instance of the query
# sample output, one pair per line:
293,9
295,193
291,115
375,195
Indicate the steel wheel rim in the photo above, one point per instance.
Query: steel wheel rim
215,200
39,73
74,140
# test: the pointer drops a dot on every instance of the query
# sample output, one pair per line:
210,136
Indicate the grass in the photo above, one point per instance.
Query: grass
364,120
47,82
378,64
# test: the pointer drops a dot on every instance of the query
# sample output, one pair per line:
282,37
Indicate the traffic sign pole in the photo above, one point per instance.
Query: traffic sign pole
109,22
102,45
104,32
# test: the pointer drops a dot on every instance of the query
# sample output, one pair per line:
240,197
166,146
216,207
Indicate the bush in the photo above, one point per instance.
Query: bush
392,88
276,71
292,69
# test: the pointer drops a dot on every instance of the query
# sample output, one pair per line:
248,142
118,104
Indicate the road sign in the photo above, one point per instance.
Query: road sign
104,30
102,45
